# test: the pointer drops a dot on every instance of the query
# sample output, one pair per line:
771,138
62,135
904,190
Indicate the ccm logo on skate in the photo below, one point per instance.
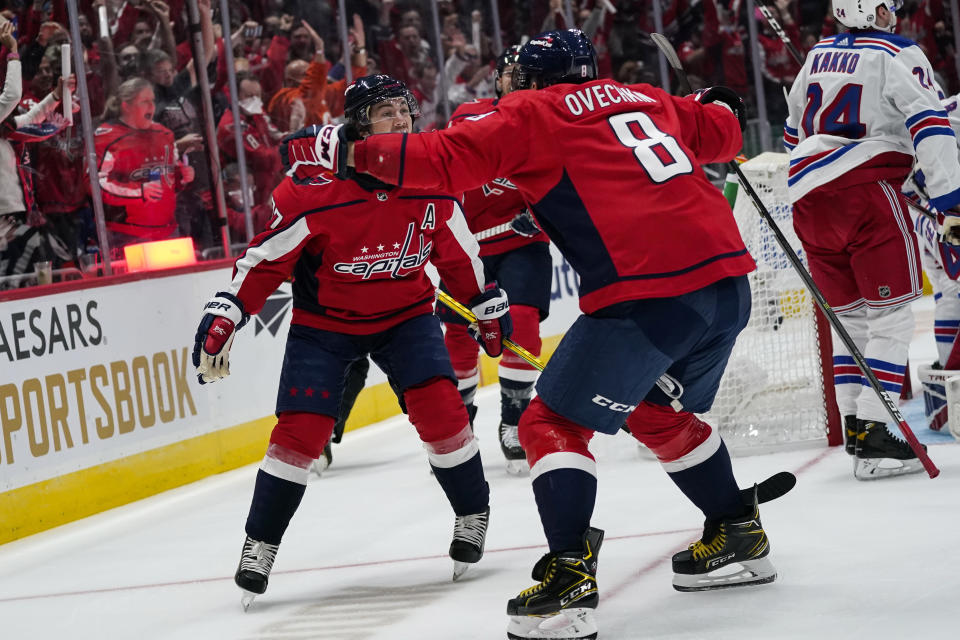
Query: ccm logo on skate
576,593
607,403
716,562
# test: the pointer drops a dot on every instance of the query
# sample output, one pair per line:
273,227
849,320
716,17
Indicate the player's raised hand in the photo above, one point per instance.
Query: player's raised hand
493,319
223,316
324,146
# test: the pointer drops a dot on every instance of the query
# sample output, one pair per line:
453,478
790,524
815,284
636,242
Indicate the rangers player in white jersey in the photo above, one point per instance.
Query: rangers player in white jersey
940,262
864,108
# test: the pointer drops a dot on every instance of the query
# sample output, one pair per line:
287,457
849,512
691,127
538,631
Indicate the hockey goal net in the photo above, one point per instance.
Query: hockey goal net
777,390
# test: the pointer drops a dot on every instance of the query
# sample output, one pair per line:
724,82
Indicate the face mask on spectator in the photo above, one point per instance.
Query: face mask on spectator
252,105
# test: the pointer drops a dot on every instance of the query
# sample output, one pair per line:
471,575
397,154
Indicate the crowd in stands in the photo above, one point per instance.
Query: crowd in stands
144,90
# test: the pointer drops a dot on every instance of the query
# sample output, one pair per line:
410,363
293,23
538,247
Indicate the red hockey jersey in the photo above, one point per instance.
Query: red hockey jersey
612,174
127,159
358,255
490,208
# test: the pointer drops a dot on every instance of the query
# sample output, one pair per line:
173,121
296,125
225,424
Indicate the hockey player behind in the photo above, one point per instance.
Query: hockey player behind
864,105
357,250
612,173
941,262
516,253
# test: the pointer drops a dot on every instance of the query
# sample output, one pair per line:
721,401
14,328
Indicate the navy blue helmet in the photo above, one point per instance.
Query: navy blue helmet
369,91
556,57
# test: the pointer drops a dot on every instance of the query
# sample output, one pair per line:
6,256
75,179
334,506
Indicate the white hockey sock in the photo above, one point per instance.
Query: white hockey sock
886,352
846,374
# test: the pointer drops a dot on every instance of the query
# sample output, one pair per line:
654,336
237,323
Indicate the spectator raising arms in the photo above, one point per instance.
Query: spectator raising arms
138,169
25,238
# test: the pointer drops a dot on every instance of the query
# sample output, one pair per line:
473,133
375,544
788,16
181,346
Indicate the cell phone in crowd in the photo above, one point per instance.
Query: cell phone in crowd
15,21
253,32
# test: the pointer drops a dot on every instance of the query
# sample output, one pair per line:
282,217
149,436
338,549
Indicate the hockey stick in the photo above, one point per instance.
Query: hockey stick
764,7
867,372
467,315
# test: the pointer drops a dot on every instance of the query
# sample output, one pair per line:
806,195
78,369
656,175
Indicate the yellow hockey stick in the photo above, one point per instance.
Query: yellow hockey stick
467,315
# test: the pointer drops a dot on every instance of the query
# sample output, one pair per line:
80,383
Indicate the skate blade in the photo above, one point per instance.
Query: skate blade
740,574
459,568
247,599
877,468
569,624
518,467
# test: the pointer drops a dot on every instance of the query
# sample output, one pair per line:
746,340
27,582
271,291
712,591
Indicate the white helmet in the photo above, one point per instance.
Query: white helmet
862,14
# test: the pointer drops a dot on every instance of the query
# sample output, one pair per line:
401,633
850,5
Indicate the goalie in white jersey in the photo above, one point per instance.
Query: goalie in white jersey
864,108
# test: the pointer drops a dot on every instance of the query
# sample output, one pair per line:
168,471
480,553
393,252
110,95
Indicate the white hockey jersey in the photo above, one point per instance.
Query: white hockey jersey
862,94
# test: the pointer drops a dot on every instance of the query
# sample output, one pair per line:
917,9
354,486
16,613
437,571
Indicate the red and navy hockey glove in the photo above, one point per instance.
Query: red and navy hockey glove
524,224
318,146
728,98
493,319
223,316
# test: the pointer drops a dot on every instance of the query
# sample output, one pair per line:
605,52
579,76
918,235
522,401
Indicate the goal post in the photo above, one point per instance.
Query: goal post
777,391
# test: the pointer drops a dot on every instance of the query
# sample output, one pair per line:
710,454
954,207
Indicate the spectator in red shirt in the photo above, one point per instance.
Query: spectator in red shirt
401,53
260,137
138,168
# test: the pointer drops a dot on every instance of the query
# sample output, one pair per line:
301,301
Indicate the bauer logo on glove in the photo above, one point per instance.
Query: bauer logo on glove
223,316
492,310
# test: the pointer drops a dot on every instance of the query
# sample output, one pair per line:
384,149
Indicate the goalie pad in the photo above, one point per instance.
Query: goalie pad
941,395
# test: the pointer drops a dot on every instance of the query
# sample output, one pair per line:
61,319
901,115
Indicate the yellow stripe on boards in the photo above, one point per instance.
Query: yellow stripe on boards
76,495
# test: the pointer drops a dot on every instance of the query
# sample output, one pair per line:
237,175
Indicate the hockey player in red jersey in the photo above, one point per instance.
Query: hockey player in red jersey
863,109
516,253
357,249
612,174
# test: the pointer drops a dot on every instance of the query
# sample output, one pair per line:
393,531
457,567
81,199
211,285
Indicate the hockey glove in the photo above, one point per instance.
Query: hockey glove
223,316
493,319
950,227
318,146
728,98
524,224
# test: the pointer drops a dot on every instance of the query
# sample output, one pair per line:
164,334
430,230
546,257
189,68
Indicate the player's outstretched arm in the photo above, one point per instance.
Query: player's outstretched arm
481,148
712,123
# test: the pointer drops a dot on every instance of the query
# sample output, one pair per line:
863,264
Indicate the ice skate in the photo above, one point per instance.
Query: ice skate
322,463
512,451
732,553
469,536
880,454
850,428
561,605
256,561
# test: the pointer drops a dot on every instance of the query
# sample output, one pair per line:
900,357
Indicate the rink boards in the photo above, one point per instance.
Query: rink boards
100,406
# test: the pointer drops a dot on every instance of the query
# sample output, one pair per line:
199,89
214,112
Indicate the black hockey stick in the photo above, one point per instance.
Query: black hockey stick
770,489
867,372
764,7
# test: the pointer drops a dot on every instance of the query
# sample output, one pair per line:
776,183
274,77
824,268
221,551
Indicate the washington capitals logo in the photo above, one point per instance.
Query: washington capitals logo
273,313
391,262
